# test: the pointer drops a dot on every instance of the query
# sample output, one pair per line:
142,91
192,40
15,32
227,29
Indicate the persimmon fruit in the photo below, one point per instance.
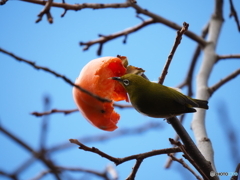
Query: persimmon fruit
96,78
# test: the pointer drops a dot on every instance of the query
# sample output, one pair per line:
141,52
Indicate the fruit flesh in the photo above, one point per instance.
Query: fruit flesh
95,77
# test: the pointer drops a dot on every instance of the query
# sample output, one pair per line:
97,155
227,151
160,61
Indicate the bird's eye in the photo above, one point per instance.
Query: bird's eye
126,82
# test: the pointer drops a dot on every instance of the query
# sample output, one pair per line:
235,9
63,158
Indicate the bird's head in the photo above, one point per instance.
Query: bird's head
131,82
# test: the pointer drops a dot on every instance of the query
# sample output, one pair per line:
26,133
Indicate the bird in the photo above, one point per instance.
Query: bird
156,100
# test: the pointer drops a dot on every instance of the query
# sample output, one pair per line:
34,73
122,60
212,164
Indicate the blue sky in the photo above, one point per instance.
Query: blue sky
56,46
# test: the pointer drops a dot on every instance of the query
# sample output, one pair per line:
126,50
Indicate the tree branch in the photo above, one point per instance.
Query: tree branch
170,24
38,114
185,165
230,56
174,48
202,92
234,14
135,169
118,161
54,73
223,81
46,10
191,148
77,7
103,39
37,155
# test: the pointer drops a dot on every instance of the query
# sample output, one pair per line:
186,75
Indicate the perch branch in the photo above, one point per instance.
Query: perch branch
204,166
54,73
223,81
174,48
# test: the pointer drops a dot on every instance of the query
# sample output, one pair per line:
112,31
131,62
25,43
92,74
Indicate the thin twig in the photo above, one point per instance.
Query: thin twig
103,39
46,10
38,114
37,155
66,112
44,125
181,161
234,14
230,56
174,48
223,81
54,73
135,169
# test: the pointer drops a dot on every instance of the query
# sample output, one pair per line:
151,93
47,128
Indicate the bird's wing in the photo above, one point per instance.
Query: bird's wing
184,100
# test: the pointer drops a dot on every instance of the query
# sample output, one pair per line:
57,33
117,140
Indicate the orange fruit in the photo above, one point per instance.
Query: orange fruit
95,77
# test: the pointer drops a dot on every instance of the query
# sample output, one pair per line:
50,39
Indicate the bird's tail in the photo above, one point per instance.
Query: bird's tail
201,103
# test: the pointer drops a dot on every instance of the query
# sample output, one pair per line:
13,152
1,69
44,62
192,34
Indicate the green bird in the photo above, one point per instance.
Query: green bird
156,100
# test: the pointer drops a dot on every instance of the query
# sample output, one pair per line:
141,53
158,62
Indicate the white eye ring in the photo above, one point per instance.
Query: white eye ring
126,82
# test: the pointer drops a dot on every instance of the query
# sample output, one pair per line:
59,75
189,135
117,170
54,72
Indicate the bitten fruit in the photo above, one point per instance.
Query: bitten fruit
95,77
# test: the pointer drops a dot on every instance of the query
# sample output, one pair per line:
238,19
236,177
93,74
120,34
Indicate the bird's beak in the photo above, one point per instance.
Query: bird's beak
116,78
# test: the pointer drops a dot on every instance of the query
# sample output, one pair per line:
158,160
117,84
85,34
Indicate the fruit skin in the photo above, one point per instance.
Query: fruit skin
156,100
94,77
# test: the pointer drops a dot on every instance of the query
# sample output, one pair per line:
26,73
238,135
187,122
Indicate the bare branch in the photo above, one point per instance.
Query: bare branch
169,161
168,23
77,7
234,14
188,156
54,73
38,114
104,39
174,48
135,169
191,148
209,56
2,2
223,81
237,170
46,10
230,56
37,155
118,161
184,165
